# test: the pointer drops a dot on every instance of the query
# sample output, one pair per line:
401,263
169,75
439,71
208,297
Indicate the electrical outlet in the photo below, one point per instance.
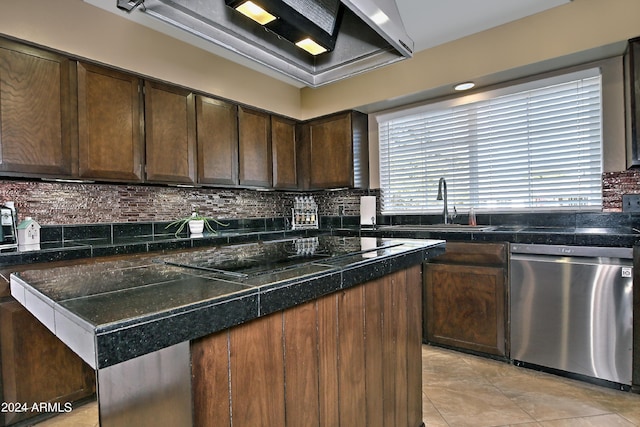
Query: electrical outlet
631,203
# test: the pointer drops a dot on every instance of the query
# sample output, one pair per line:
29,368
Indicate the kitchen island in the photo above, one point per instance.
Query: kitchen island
321,330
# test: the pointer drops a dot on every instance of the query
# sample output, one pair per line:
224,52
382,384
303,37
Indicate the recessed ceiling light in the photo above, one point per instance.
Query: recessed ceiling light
464,86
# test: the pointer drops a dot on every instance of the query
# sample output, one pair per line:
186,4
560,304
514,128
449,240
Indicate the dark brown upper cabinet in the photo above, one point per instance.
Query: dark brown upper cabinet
170,133
111,144
283,146
254,142
217,123
37,112
333,151
632,100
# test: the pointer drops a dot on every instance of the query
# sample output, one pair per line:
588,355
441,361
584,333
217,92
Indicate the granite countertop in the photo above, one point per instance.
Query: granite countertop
98,240
109,311
613,236
89,247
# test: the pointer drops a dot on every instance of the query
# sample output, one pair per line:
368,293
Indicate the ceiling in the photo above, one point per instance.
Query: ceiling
428,22
434,22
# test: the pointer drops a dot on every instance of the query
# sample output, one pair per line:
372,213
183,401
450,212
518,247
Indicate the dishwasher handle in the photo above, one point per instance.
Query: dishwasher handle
572,251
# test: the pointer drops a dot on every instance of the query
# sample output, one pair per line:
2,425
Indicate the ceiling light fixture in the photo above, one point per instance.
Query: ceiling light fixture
310,25
464,86
310,46
380,18
359,35
255,12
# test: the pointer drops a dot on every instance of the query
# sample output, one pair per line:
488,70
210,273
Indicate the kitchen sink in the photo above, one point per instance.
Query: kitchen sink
438,227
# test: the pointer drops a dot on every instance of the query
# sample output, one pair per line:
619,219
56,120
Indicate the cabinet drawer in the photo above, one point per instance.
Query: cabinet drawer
474,254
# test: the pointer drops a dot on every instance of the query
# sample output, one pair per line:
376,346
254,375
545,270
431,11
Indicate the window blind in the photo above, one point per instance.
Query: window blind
533,149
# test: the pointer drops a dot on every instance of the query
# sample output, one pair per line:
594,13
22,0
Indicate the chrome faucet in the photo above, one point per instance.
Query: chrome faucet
445,211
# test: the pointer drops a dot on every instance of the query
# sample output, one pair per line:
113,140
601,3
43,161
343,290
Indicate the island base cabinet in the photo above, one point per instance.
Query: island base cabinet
349,359
38,370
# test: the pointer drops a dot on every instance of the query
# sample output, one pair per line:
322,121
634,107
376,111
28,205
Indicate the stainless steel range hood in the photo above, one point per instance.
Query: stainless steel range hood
370,34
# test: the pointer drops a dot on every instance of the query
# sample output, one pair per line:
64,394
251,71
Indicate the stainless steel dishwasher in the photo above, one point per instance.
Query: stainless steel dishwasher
572,310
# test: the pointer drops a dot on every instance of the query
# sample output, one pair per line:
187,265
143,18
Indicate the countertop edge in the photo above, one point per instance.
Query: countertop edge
130,338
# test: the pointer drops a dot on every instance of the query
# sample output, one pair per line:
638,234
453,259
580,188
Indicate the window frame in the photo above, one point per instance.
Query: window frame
610,70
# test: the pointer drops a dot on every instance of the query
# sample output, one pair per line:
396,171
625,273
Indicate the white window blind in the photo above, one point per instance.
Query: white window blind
528,149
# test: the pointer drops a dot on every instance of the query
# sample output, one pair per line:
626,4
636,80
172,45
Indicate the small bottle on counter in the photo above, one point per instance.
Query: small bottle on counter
472,216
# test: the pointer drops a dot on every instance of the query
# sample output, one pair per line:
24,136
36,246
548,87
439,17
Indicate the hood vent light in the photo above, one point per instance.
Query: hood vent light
255,12
310,25
348,36
310,46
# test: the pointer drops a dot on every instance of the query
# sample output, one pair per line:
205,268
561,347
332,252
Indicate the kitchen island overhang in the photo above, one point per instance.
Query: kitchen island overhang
120,314
90,323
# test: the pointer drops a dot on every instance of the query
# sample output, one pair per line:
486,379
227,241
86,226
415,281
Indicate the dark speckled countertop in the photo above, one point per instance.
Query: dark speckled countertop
548,235
109,311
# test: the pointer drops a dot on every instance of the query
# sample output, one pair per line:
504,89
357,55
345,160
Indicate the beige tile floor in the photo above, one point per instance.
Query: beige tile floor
461,390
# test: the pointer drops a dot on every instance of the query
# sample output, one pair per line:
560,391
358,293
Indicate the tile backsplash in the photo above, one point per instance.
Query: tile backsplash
615,185
52,203
71,203
61,203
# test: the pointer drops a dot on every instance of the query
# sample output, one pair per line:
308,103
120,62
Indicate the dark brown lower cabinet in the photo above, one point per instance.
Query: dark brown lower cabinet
465,298
37,368
348,359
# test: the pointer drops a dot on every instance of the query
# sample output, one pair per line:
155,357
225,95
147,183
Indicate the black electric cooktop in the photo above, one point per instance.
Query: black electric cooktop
272,256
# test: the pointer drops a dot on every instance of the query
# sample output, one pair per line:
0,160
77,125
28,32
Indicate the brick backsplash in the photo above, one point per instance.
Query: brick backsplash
61,203
329,202
72,203
615,185
52,203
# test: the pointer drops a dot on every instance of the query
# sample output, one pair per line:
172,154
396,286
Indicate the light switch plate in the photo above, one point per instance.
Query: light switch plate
631,203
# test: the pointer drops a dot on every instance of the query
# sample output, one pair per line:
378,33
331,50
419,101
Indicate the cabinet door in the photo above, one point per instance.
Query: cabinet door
254,128
217,123
283,144
170,126
109,126
331,152
465,307
632,100
36,366
37,119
